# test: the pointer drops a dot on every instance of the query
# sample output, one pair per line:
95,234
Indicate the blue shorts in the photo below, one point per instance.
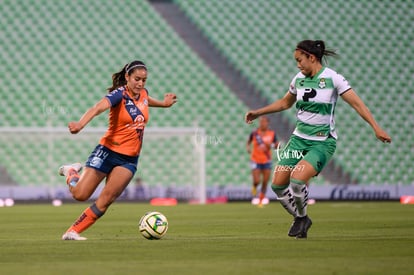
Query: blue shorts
104,160
261,166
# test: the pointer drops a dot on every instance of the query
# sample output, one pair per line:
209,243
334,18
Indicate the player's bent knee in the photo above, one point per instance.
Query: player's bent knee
80,196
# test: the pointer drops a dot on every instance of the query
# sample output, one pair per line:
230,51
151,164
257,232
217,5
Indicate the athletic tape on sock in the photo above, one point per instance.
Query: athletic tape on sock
96,211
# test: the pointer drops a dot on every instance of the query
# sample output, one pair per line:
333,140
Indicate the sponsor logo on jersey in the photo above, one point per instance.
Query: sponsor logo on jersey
133,111
322,83
139,123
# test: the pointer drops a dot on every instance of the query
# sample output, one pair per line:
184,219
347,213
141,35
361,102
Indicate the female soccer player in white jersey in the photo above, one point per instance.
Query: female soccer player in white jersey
315,90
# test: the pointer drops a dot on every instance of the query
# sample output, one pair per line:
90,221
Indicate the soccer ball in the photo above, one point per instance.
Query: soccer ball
153,225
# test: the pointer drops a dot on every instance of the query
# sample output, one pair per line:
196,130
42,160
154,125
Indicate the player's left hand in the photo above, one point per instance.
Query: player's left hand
170,99
383,136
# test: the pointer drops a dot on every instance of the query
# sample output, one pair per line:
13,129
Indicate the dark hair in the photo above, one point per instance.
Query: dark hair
315,47
118,79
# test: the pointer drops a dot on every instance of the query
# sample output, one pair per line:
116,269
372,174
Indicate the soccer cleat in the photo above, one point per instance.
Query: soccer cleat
306,225
72,236
64,169
300,227
295,227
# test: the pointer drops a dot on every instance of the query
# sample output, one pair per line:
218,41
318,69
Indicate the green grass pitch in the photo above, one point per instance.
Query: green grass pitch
233,238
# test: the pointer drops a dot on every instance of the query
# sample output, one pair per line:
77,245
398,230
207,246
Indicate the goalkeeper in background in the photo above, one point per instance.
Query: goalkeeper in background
259,145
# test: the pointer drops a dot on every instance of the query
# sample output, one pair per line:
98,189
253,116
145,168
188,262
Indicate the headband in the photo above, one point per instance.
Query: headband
135,66
302,50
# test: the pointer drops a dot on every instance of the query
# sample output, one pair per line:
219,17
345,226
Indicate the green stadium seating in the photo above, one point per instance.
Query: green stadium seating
258,37
61,55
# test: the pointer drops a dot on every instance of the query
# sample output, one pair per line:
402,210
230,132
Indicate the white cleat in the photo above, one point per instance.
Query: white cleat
72,236
63,170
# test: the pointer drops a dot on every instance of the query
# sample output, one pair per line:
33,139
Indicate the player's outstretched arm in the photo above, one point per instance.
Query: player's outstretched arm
279,105
169,100
356,102
76,126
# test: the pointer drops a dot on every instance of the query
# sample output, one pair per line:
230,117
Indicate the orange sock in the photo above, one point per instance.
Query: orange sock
261,196
88,217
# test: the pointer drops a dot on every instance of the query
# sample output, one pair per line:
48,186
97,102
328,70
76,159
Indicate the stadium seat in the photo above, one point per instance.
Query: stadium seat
241,44
67,52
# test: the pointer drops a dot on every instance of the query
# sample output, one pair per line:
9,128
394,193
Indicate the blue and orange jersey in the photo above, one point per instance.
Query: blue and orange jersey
127,119
262,145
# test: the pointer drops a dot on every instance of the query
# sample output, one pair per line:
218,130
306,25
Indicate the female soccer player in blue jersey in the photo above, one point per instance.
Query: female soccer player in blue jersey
315,90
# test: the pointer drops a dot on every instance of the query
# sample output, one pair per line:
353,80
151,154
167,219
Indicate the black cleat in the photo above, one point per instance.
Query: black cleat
300,227
295,227
307,223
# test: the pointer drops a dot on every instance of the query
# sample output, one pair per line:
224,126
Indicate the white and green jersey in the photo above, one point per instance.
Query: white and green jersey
315,102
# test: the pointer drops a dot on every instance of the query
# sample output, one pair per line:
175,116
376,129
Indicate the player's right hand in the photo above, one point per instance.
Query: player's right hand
74,127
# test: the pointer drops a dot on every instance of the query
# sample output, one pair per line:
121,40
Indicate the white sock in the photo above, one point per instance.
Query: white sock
284,196
300,194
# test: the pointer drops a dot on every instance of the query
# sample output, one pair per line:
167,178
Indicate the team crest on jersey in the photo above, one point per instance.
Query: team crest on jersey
141,106
322,83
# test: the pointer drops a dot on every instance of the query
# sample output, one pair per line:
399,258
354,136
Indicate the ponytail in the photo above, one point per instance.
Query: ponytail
316,48
118,79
